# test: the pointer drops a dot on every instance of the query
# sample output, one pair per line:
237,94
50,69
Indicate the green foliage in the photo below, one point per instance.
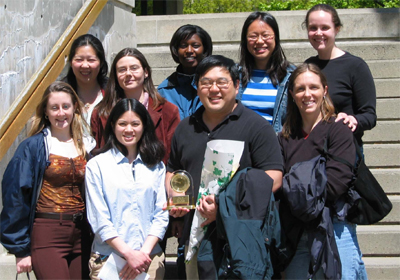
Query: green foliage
231,6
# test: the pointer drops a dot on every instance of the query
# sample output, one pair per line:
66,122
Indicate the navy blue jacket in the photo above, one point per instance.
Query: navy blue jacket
21,185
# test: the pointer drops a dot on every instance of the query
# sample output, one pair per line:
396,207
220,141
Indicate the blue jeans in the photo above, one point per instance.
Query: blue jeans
349,251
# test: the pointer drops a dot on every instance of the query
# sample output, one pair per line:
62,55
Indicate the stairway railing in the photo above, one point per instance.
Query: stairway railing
24,105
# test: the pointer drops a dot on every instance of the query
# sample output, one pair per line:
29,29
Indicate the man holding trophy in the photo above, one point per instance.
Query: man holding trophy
221,124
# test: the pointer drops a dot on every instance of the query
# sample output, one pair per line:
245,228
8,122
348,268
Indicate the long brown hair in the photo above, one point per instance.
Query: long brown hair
294,121
78,125
114,92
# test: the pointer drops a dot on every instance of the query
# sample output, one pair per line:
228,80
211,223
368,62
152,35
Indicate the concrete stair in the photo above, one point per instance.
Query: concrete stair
372,34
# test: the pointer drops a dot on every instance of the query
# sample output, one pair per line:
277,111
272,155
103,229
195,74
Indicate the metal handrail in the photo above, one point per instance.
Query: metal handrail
24,105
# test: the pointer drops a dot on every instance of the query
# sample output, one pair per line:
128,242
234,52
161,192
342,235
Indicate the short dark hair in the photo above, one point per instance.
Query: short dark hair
277,64
326,8
186,31
150,148
217,61
293,123
114,92
88,40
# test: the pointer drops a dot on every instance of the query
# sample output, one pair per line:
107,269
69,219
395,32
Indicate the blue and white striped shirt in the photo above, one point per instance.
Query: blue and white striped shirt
260,94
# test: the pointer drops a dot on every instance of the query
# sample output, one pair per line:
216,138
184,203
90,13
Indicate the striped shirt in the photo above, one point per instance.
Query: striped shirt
260,94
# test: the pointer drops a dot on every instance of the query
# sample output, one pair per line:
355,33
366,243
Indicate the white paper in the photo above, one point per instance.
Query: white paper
221,161
112,267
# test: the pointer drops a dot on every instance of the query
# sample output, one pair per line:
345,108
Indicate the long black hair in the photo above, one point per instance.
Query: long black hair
87,40
150,148
277,64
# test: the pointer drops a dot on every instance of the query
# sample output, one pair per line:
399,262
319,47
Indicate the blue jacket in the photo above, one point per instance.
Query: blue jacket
22,181
21,186
279,116
181,90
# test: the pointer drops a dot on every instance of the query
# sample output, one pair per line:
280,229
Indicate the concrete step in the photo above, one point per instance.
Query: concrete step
382,155
384,131
160,56
378,268
382,23
388,109
379,240
387,268
387,87
394,216
8,268
389,179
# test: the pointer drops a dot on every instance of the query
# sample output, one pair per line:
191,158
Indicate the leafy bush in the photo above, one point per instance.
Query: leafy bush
230,6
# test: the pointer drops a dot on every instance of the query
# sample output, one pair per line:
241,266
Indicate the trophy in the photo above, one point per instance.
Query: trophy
180,183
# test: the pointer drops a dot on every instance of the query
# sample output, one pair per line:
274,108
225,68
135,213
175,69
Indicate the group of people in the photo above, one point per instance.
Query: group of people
92,178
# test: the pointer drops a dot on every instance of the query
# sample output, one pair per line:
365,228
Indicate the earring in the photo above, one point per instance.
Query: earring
46,117
293,100
324,97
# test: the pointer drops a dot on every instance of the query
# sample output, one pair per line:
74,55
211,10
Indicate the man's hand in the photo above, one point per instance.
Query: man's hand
176,212
208,209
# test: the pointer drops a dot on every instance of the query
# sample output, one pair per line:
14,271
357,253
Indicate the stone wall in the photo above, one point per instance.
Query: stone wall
30,28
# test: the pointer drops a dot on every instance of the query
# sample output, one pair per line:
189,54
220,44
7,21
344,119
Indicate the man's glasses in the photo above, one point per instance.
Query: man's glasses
221,83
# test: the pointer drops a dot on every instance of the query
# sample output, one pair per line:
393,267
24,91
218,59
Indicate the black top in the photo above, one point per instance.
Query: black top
261,149
352,89
297,148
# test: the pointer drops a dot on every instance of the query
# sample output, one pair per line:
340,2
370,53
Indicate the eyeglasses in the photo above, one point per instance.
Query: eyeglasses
132,69
221,83
265,37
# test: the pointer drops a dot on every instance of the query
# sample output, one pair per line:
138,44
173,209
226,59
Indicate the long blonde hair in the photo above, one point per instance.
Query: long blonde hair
294,122
78,125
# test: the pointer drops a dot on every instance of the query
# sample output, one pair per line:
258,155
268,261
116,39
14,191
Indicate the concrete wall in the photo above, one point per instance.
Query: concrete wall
30,28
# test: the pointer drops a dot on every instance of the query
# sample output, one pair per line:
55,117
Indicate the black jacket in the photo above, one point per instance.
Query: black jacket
247,226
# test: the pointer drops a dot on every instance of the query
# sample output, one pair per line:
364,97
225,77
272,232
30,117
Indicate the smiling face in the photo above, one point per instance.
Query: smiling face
60,111
308,93
190,53
85,65
128,130
322,31
130,75
217,101
260,42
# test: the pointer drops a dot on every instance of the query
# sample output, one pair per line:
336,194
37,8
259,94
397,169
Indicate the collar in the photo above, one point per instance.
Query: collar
173,80
235,114
120,158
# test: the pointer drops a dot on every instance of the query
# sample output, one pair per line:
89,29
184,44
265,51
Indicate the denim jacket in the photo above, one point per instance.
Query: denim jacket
279,116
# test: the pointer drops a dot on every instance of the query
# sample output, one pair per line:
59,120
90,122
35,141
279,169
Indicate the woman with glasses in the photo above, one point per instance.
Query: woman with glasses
189,45
264,69
130,77
87,73
350,81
